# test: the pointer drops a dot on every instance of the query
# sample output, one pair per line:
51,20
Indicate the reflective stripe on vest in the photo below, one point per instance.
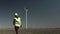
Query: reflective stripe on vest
17,22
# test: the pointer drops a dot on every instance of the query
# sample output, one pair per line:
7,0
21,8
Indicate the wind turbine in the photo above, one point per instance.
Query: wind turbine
26,13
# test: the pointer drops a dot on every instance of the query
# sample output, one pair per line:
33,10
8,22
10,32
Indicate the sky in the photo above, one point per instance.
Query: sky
41,13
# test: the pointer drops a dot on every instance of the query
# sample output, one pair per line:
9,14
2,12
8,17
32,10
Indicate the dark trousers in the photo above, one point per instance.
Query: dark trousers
16,30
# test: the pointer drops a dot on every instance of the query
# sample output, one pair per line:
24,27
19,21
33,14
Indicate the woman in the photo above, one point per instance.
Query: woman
17,22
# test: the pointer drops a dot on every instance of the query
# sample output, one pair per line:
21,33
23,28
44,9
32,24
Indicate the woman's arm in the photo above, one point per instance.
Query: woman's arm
13,21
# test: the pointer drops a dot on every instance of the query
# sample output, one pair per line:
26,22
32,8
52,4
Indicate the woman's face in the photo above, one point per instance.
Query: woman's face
16,16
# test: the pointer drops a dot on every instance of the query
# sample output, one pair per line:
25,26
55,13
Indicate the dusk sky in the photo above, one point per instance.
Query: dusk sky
41,13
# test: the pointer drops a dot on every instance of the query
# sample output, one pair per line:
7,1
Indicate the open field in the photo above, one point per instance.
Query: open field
32,31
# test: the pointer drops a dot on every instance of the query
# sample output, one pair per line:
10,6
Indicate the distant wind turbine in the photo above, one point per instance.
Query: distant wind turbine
26,16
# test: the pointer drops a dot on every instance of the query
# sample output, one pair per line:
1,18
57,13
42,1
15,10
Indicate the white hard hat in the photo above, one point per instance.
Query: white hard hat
16,14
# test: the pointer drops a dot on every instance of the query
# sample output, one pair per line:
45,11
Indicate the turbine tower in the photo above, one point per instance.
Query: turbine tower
26,10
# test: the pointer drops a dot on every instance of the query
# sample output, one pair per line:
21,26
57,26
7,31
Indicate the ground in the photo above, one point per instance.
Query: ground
32,31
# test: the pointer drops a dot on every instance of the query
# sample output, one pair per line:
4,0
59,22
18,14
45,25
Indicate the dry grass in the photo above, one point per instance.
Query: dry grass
32,31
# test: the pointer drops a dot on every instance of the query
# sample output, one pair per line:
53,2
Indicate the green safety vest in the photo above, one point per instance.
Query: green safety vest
17,22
